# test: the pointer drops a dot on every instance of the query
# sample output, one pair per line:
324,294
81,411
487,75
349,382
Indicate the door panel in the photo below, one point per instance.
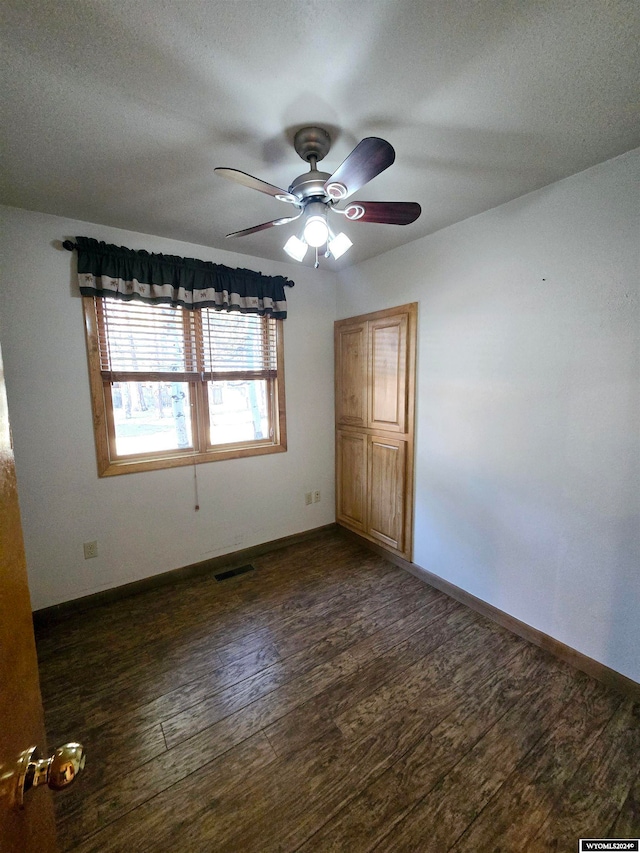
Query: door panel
21,716
386,490
375,363
388,373
351,479
351,375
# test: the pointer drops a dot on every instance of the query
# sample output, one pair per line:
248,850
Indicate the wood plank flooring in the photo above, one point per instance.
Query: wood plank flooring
328,701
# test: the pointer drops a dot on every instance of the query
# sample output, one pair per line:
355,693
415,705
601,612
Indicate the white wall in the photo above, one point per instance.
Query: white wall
528,416
144,523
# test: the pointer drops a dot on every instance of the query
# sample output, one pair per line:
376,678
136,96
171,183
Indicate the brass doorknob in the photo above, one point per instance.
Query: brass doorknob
57,772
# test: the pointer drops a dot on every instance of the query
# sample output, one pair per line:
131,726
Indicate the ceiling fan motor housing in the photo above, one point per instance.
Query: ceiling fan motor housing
310,185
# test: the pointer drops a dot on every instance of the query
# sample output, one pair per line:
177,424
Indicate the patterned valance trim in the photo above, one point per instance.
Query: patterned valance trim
107,270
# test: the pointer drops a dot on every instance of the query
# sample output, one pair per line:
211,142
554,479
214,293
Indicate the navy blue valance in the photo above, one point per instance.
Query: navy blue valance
115,271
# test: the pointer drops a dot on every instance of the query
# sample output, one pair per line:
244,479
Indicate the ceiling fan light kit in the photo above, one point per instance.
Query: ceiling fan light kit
316,230
316,193
339,245
296,248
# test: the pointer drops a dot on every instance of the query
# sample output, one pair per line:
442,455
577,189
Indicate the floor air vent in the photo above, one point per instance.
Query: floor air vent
241,570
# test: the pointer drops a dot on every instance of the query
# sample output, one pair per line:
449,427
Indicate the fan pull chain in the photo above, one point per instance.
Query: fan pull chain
195,486
196,507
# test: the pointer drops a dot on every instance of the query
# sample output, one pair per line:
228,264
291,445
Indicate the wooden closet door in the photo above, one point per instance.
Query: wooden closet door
386,483
375,402
351,479
387,374
351,375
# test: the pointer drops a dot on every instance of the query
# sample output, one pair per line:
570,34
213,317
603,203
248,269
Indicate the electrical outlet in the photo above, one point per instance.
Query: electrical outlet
90,550
316,496
308,498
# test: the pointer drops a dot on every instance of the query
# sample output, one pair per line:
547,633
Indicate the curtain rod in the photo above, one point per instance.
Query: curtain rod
69,245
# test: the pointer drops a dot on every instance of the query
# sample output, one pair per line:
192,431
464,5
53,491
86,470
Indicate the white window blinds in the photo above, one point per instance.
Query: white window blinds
234,342
137,338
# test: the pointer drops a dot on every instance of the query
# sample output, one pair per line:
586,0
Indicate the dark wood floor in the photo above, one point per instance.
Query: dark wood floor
328,701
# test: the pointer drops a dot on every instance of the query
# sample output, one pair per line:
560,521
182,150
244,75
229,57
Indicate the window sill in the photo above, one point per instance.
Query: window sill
131,466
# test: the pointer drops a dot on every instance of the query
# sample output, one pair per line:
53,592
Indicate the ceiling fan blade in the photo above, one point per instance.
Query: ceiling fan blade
255,184
264,226
386,212
370,157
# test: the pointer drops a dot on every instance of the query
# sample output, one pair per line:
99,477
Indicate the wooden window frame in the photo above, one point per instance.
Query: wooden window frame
110,464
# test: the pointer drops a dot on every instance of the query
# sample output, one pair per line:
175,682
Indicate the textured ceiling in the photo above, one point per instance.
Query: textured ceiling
116,112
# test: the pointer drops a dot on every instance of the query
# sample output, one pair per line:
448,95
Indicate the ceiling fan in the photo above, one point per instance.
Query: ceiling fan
315,194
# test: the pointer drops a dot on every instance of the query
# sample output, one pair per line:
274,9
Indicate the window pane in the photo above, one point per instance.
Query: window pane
151,416
238,411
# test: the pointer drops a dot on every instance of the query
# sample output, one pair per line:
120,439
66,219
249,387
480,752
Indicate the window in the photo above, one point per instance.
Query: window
172,387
